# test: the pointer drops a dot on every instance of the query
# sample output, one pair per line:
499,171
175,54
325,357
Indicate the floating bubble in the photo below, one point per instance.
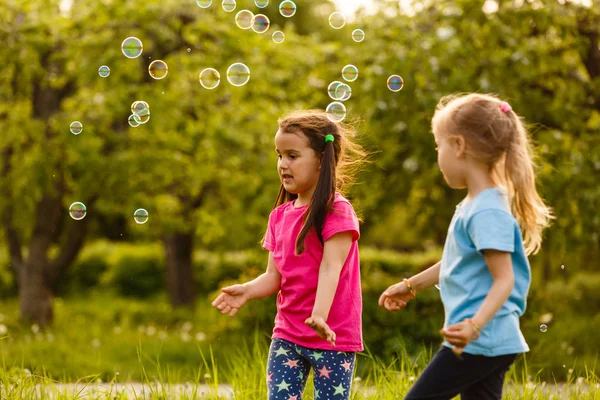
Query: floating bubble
336,111
278,37
349,73
261,23
189,50
332,88
77,211
238,74
261,3
204,3
132,47
343,92
142,116
209,78
337,20
244,19
158,69
76,127
358,35
395,83
104,71
228,5
543,328
138,106
287,8
132,121
140,216
562,267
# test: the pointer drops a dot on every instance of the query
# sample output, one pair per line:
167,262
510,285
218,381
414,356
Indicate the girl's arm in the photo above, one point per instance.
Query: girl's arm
427,278
500,266
266,284
335,252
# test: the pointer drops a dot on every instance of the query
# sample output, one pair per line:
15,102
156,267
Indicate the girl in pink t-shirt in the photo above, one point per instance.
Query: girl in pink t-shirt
313,266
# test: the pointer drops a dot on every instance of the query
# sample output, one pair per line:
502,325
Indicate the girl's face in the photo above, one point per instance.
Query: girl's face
451,159
298,165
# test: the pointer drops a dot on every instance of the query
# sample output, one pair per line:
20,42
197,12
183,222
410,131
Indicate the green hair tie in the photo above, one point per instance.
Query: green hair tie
329,138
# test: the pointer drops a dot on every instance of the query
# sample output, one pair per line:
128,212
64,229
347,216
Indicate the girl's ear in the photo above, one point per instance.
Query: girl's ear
460,146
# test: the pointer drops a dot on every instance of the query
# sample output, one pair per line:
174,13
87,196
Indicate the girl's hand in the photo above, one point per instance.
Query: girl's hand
395,297
459,335
322,329
232,298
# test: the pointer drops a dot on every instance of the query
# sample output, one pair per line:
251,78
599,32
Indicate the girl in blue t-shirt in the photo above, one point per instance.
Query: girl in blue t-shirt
484,274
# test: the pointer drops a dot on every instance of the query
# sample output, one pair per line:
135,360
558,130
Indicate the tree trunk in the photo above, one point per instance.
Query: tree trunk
34,294
180,277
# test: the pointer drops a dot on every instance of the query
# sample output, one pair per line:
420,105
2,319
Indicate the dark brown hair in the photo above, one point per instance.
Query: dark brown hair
340,162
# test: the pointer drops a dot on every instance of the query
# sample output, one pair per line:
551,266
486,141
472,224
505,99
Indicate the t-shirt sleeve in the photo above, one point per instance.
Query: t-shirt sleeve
341,218
269,242
492,230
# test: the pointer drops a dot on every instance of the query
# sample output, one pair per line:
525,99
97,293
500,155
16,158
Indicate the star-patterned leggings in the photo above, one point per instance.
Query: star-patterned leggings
289,365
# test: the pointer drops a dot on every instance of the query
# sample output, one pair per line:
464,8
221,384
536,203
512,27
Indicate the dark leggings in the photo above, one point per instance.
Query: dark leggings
474,377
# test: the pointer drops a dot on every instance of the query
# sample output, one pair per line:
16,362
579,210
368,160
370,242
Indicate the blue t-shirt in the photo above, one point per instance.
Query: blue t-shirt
465,279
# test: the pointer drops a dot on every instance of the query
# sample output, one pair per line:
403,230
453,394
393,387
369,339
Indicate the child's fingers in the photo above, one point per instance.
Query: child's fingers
383,298
233,311
231,290
225,309
453,334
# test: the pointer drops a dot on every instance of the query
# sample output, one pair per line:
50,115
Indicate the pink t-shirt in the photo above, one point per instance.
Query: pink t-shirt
300,276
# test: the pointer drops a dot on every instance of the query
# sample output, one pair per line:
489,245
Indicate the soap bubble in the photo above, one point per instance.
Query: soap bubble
543,328
228,5
331,89
261,23
76,127
142,116
132,47
77,211
278,37
132,121
158,69
287,8
261,3
104,71
238,74
336,111
337,20
343,92
358,35
244,19
395,83
350,73
140,216
209,78
204,3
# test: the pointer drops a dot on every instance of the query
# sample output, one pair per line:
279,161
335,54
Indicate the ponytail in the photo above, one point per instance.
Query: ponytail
526,204
322,199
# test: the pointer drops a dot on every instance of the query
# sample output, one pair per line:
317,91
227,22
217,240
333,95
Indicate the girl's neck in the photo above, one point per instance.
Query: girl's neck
304,198
478,180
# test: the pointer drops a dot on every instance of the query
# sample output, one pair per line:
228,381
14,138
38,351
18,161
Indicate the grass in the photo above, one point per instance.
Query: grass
105,347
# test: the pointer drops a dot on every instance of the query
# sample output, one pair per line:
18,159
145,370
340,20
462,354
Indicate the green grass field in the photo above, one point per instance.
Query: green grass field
115,347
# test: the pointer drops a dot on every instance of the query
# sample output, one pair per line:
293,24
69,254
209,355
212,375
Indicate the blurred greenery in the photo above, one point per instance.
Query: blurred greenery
204,163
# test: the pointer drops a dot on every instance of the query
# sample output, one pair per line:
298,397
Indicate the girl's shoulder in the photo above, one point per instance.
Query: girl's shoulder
342,205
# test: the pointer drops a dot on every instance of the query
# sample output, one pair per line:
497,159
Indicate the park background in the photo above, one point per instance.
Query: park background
104,295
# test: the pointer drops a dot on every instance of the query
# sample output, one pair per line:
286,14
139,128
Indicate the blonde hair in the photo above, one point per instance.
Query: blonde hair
497,137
